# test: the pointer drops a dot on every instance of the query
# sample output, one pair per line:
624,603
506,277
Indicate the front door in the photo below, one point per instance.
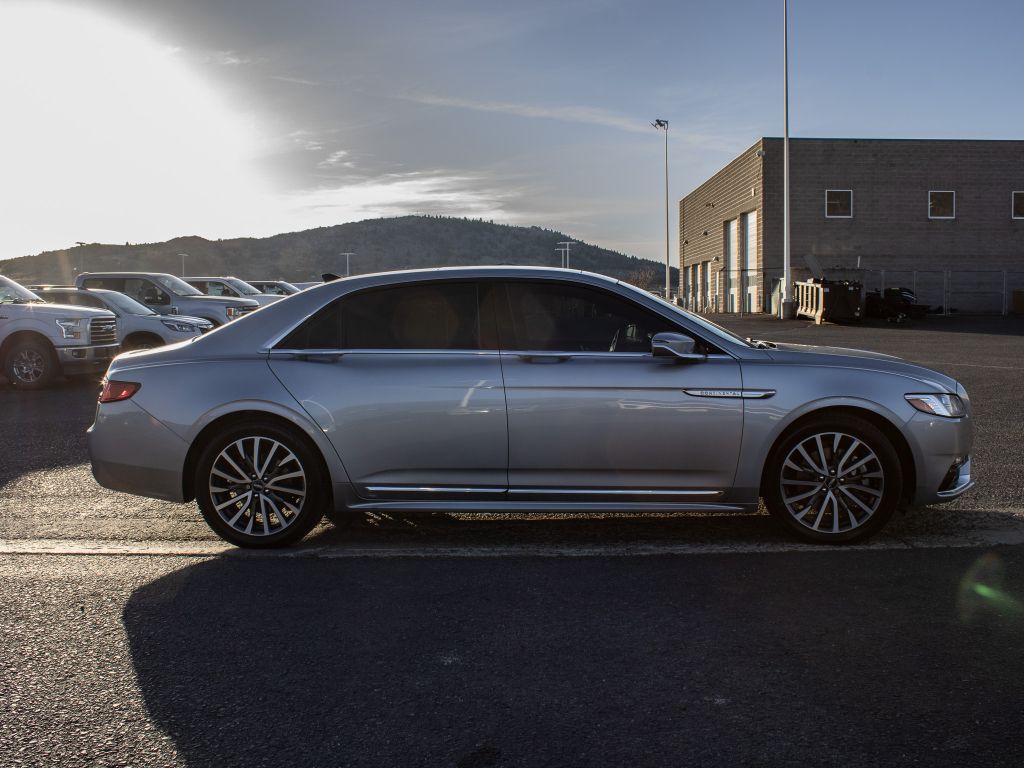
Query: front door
591,409
406,383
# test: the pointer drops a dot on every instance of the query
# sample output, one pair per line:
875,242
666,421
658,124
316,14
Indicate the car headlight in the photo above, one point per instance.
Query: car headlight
233,312
72,329
950,406
174,325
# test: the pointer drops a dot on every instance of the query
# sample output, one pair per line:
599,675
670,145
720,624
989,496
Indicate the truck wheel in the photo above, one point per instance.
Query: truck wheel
30,365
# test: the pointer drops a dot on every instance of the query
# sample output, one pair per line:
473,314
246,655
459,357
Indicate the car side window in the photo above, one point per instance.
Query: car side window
108,283
422,316
573,318
145,292
214,288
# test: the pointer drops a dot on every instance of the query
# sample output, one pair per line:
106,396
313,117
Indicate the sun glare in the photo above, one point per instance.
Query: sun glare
108,136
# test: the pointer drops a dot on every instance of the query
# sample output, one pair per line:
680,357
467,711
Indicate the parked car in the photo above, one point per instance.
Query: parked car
514,389
274,287
40,341
230,286
139,327
168,295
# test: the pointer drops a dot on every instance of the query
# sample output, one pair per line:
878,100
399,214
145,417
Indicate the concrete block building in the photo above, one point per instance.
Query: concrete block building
946,216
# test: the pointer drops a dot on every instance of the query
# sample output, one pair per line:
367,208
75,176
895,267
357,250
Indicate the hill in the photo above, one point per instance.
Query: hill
379,245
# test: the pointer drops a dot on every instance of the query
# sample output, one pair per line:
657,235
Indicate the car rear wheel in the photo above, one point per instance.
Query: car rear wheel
30,365
835,480
260,485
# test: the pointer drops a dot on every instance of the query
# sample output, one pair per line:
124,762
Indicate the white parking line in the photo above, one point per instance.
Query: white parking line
1010,535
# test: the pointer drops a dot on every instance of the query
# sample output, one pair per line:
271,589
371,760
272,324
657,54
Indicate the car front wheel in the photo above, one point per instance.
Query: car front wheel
260,485
835,480
30,365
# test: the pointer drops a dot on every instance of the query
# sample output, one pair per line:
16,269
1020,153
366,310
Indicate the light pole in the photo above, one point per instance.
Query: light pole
564,250
183,255
663,125
786,303
347,255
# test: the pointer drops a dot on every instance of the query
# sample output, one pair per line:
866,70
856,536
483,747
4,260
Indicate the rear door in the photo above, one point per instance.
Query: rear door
591,411
406,383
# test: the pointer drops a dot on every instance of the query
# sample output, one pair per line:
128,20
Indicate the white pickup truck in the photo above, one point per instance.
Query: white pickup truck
40,341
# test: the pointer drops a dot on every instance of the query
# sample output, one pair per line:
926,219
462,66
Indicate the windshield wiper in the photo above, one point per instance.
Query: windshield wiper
759,344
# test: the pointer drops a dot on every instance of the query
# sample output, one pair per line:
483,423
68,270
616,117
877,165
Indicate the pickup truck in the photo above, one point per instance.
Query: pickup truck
39,341
168,295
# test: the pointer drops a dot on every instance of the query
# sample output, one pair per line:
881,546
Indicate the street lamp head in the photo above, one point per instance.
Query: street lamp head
659,123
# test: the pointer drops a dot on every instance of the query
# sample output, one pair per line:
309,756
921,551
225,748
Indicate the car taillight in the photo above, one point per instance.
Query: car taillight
115,391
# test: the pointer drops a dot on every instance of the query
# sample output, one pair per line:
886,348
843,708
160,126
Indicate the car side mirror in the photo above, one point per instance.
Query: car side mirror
675,345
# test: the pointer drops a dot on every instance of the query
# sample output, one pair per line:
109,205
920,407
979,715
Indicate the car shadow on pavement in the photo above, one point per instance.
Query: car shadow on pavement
473,662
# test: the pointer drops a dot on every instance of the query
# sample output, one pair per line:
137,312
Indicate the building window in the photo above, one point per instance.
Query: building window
941,204
838,203
1018,205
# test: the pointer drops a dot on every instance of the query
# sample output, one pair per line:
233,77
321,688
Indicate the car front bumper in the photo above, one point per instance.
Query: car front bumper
942,457
85,359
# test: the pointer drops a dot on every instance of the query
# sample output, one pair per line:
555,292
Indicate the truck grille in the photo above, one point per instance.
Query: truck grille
103,330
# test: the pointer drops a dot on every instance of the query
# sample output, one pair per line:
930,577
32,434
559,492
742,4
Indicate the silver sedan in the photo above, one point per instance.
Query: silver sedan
515,389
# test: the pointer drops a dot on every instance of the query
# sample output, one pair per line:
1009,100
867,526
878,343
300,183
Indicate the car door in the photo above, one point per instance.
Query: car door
592,411
406,383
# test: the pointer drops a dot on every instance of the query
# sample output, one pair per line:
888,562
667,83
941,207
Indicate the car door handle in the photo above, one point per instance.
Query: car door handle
543,358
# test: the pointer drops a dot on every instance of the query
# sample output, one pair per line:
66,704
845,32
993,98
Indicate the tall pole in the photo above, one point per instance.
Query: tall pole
660,124
347,255
183,255
787,278
566,247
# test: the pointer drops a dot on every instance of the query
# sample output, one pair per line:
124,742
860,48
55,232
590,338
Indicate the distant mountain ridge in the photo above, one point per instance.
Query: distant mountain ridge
405,242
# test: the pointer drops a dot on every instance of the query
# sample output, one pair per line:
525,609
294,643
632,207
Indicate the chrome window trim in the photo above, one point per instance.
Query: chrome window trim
340,352
676,318
577,353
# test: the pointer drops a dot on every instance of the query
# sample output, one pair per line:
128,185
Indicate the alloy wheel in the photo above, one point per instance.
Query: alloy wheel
832,482
257,486
28,366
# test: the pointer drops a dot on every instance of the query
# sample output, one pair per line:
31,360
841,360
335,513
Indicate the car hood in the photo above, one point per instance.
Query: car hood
62,311
839,357
185,319
221,300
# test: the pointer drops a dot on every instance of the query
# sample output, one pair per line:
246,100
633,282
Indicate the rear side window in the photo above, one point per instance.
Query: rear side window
431,316
109,283
571,318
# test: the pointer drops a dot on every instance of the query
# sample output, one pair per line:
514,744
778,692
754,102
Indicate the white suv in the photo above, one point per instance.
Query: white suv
139,326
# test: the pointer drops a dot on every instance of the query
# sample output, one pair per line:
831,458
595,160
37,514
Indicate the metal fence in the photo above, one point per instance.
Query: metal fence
946,291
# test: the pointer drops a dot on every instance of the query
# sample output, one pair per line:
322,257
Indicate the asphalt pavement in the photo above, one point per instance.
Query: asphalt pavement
129,635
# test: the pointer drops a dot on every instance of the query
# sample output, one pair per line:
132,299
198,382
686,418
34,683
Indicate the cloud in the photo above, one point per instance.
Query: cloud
569,114
296,80
431,192
335,159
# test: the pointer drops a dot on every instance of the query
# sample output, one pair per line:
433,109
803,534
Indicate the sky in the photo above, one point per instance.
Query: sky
141,120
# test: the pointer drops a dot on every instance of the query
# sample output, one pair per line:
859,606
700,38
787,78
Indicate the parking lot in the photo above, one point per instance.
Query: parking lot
132,636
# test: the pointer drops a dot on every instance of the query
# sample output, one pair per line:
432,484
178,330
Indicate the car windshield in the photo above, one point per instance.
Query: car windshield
706,325
176,285
127,304
241,286
13,293
283,286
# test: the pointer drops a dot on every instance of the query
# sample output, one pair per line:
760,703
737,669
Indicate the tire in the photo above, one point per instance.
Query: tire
30,365
834,480
273,510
